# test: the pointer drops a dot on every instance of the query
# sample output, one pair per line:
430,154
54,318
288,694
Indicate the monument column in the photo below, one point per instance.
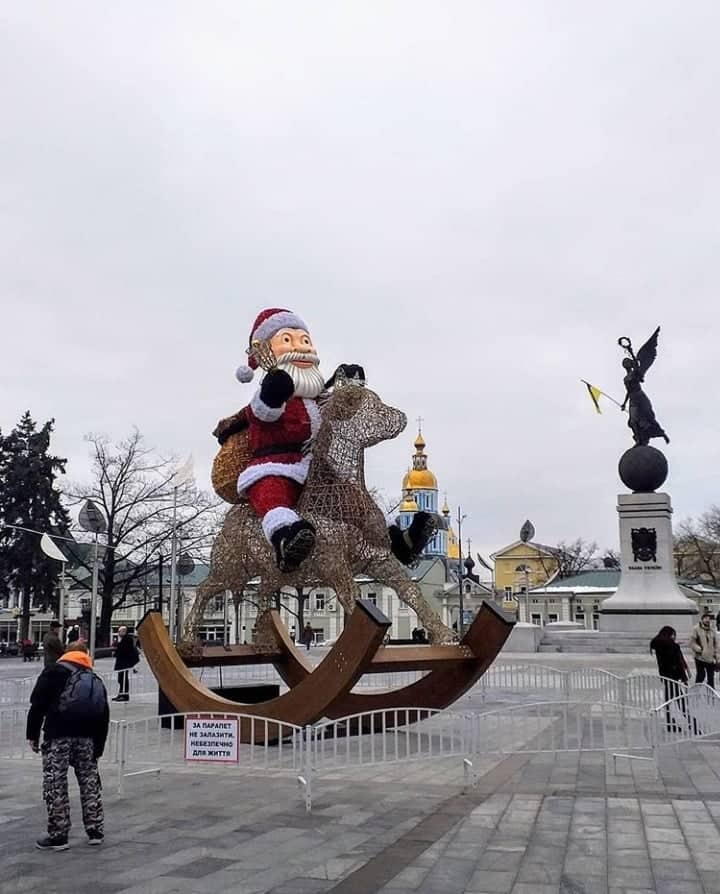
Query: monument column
648,596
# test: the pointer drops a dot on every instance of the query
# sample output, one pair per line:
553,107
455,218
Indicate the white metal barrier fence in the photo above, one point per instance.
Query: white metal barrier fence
410,734
149,745
501,680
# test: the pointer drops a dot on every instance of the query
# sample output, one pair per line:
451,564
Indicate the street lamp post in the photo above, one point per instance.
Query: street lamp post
181,476
91,519
185,566
461,620
173,570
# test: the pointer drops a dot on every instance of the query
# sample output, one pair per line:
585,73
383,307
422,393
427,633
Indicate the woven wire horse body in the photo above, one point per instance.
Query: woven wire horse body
351,531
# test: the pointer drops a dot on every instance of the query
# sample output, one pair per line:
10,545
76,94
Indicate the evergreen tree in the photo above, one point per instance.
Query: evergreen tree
29,500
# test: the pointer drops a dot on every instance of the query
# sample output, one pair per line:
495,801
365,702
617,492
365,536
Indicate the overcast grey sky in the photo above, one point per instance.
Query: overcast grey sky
474,200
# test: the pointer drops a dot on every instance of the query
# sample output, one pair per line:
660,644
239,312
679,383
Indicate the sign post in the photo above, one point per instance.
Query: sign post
211,739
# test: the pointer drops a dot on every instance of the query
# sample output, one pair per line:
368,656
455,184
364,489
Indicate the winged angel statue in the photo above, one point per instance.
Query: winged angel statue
642,421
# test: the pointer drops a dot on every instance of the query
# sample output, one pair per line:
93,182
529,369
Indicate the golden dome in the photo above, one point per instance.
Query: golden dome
419,479
409,504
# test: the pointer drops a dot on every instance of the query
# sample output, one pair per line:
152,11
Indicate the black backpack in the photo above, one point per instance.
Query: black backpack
84,696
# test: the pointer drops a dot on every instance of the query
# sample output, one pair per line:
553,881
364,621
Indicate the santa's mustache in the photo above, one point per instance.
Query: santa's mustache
291,356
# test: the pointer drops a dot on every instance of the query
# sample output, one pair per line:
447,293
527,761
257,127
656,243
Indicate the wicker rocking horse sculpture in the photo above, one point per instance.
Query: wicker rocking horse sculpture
352,535
352,538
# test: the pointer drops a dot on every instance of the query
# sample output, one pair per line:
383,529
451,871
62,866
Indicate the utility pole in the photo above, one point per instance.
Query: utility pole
461,620
160,584
172,621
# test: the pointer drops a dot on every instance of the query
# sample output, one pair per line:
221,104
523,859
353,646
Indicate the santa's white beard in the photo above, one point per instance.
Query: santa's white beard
308,380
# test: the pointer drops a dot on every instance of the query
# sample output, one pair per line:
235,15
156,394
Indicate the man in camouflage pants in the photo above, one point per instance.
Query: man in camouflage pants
73,704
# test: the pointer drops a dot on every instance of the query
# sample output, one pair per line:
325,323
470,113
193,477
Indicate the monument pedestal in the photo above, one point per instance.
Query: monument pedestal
648,596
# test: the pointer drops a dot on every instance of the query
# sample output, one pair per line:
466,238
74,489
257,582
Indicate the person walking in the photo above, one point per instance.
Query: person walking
704,643
126,657
52,644
73,634
69,703
672,668
307,636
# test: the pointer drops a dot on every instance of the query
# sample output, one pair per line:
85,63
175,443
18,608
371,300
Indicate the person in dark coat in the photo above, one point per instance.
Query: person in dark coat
73,634
126,657
52,644
74,735
307,636
672,667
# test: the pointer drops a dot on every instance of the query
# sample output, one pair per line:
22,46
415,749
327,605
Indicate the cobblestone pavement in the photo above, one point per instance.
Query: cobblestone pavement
533,824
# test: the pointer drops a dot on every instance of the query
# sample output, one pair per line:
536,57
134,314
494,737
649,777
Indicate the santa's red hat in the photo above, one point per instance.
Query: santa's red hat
268,323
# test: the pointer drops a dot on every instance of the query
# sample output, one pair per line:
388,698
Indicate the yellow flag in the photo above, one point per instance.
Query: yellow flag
594,395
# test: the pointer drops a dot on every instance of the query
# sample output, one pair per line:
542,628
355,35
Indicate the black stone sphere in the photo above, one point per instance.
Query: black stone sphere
643,469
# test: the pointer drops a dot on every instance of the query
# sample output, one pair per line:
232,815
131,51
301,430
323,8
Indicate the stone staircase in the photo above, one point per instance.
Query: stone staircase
591,642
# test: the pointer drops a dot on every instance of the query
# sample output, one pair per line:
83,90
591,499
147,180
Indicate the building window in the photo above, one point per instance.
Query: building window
536,619
508,592
372,597
580,617
552,617
319,602
551,601
536,601
468,587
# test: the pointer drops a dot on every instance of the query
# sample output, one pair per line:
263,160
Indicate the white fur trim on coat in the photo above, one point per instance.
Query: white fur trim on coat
284,320
295,471
263,412
313,411
278,518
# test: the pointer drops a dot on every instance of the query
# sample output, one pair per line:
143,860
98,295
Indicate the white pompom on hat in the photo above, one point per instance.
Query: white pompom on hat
267,323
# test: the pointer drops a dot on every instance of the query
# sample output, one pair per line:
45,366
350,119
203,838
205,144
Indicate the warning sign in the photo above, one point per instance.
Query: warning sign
211,739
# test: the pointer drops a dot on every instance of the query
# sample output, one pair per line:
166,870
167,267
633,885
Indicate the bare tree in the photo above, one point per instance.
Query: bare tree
697,547
135,488
611,558
296,605
570,558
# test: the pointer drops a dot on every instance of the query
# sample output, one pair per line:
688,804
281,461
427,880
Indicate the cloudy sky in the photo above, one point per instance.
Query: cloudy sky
472,199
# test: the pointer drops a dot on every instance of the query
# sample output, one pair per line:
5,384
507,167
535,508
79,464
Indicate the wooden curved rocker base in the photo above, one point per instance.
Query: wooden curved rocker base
452,671
304,703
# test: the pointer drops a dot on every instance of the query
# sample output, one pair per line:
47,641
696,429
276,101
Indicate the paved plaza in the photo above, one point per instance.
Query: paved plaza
532,824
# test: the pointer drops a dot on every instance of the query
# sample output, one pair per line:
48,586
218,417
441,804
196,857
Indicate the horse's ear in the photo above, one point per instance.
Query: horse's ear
346,401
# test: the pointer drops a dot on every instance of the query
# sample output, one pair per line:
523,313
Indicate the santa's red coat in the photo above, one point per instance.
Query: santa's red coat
279,439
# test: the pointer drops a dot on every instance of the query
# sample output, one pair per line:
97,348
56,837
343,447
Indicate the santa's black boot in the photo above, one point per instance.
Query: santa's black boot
407,545
293,544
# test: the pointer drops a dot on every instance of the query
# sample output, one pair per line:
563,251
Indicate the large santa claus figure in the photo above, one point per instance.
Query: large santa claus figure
282,420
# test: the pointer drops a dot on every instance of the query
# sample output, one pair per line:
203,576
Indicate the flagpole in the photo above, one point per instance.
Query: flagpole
617,403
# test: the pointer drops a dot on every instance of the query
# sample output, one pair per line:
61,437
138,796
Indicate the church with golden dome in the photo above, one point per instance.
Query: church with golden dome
420,493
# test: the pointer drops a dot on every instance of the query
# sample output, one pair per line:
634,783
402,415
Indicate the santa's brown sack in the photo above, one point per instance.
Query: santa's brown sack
232,458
